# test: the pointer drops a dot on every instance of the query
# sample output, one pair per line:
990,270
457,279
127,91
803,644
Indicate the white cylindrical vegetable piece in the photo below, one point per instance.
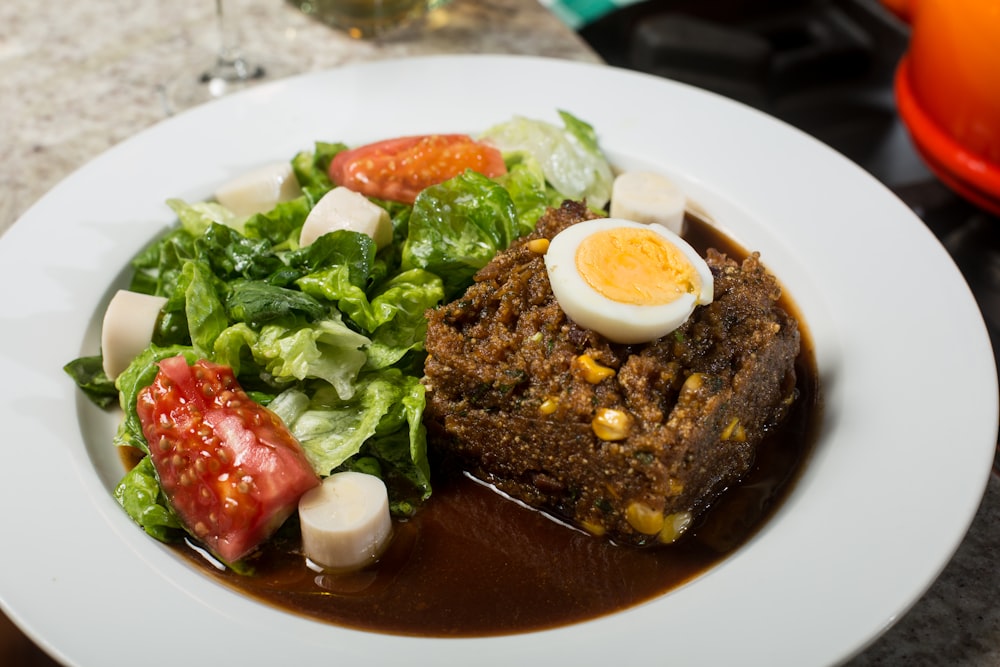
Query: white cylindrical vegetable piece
259,190
127,330
345,521
648,197
342,208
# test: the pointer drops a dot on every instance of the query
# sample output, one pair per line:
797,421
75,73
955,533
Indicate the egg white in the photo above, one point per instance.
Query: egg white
617,321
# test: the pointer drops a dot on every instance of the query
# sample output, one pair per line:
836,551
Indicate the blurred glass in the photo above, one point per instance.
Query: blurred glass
231,69
364,19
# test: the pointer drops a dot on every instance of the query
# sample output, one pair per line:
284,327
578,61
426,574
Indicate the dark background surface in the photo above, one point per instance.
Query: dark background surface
826,67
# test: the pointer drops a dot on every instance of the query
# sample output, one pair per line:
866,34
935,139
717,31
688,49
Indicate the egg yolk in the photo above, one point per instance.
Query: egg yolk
635,266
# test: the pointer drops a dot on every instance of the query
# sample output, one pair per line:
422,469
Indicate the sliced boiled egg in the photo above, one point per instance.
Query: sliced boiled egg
630,282
342,208
345,521
259,190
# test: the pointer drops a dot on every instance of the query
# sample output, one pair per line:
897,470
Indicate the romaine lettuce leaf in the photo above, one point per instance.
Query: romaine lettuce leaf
233,347
140,374
281,225
398,315
257,302
456,227
140,495
331,336
199,216
234,255
405,450
157,267
312,168
353,250
88,373
203,309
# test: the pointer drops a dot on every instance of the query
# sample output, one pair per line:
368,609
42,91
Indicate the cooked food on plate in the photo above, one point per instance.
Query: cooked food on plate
314,366
628,441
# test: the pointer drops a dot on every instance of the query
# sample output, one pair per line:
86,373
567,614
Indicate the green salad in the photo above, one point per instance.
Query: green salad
330,336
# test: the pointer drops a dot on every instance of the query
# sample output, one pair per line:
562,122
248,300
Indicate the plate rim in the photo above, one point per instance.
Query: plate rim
145,557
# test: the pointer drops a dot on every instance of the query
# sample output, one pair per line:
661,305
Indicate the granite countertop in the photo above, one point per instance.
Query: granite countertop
77,78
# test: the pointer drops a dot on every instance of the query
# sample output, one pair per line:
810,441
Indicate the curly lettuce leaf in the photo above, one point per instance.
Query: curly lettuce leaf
327,350
530,192
382,419
570,156
394,315
332,335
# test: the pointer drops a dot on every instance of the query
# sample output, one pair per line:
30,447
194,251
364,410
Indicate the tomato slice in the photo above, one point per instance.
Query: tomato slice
229,467
398,169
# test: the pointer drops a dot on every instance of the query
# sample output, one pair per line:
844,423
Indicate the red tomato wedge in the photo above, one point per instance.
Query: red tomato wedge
229,466
398,169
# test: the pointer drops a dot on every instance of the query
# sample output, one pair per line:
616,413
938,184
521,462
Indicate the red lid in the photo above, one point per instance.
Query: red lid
965,172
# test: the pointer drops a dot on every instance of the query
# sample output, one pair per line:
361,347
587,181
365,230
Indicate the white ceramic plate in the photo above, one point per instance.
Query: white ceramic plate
910,388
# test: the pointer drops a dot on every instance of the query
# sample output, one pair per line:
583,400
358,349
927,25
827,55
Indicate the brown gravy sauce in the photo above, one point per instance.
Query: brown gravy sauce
473,563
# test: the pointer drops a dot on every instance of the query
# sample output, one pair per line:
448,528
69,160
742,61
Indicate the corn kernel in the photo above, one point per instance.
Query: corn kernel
594,529
548,406
693,383
611,424
538,246
734,430
674,525
593,372
644,518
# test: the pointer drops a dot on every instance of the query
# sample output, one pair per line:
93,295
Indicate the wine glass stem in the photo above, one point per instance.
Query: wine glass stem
230,63
229,39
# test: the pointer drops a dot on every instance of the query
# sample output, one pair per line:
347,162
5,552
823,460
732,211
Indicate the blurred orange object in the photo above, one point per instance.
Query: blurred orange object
900,8
948,92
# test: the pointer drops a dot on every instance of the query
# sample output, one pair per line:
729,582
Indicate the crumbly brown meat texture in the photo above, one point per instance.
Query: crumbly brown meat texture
701,399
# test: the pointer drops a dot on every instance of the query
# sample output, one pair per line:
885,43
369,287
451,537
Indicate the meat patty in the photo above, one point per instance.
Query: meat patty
631,442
